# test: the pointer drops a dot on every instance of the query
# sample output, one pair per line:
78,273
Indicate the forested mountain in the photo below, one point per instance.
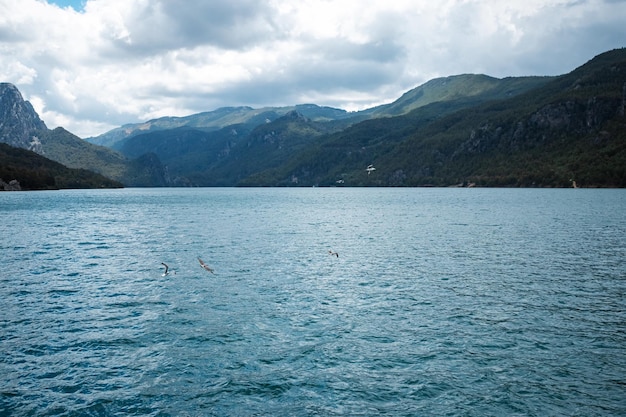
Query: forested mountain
225,117
229,155
205,150
21,127
467,88
459,130
571,129
21,169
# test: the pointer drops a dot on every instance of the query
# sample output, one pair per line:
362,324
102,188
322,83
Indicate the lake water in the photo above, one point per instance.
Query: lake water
468,302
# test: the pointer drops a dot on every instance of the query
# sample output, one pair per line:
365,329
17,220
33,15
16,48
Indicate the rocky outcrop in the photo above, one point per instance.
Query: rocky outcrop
13,185
19,123
564,119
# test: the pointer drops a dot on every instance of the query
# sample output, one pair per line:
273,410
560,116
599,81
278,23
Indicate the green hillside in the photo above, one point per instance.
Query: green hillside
235,154
454,131
34,172
570,128
457,89
215,120
226,156
68,149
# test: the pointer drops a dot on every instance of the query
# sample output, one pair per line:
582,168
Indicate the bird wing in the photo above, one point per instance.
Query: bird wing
205,266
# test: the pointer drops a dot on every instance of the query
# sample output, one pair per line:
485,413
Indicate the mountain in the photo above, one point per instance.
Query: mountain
216,120
21,127
267,146
465,88
448,89
570,129
19,123
468,129
65,147
228,145
21,169
204,157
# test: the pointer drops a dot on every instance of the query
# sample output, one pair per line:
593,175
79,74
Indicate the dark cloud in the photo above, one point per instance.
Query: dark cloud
170,24
331,83
383,51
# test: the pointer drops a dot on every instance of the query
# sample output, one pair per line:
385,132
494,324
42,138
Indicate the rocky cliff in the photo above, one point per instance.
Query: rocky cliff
19,123
21,127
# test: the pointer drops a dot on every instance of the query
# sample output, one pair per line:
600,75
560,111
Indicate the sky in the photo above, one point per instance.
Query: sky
94,65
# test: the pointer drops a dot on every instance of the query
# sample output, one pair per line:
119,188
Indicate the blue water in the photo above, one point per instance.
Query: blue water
468,302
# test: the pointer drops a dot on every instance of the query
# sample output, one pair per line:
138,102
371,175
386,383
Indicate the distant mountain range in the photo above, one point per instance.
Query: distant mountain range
461,130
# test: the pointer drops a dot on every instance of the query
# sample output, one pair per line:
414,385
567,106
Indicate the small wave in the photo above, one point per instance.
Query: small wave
62,291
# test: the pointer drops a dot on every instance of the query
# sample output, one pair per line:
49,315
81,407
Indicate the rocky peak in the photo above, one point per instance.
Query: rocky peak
294,115
19,123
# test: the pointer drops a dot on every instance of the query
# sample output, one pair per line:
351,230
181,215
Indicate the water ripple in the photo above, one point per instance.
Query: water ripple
441,302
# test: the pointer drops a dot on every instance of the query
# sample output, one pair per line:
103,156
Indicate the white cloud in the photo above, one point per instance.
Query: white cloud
118,62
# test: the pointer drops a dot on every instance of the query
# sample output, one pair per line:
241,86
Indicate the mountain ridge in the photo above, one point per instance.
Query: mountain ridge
220,154
214,120
464,129
456,87
21,127
572,129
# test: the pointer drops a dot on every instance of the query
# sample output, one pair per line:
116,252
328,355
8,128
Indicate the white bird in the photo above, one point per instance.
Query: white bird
370,168
205,266
167,268
331,253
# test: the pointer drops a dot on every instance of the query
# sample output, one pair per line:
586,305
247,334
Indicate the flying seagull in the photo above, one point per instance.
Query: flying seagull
370,168
205,266
167,268
331,253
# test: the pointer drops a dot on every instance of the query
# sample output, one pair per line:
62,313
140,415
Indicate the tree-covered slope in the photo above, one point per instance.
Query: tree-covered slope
267,146
459,89
70,150
570,128
35,172
215,120
236,153
459,130
21,127
197,157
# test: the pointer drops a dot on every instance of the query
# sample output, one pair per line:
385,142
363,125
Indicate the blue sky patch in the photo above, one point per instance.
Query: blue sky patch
77,5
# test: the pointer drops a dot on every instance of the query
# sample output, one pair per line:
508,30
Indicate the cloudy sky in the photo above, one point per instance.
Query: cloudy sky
92,65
